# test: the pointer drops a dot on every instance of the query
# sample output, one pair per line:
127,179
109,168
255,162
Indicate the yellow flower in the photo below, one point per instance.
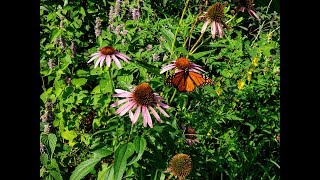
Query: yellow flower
240,84
218,83
255,62
218,91
249,75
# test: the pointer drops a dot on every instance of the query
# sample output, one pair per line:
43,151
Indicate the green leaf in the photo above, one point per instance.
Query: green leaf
200,54
183,50
96,90
103,172
79,82
168,35
69,135
140,145
101,153
149,67
105,86
109,173
54,34
233,117
56,174
52,142
239,19
45,94
83,169
44,158
122,153
81,73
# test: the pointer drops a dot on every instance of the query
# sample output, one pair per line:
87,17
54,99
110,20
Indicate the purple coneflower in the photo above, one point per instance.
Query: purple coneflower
214,15
106,53
143,99
182,64
249,5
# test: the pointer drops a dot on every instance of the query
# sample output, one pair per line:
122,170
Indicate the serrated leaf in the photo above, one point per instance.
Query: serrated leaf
82,73
83,169
105,86
54,34
45,94
44,159
68,135
52,142
79,82
122,153
140,146
200,54
168,35
233,117
149,67
101,153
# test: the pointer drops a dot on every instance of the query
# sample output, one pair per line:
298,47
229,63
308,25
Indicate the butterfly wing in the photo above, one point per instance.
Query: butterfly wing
199,79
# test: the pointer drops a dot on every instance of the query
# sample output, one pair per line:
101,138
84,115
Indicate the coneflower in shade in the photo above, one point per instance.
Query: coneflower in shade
143,99
182,64
214,15
106,53
248,4
180,166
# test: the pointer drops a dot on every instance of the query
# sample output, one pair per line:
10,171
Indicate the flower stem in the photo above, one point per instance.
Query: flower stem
131,129
193,25
195,44
176,33
174,93
110,76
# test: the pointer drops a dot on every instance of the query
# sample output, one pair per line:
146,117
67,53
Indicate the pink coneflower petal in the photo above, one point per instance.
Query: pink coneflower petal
129,107
204,27
101,61
178,70
118,102
253,13
123,95
213,29
119,53
242,9
197,68
220,31
121,91
164,105
162,111
96,53
136,114
156,115
98,61
167,68
144,116
108,60
130,104
122,57
149,120
116,60
94,57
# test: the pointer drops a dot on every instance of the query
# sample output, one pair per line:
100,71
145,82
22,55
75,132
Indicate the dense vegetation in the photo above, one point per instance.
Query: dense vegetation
230,129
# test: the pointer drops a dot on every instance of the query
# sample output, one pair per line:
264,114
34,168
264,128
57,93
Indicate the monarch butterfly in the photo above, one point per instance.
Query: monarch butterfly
186,80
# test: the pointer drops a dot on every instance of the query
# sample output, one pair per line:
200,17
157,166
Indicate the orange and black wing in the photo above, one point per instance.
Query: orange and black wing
199,79
181,81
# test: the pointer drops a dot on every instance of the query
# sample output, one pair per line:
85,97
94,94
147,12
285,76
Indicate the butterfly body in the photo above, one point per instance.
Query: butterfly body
186,81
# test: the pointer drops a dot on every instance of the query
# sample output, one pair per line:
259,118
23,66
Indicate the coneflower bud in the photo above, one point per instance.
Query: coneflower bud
46,129
97,27
42,148
155,57
44,117
117,8
51,64
124,32
123,42
73,49
149,47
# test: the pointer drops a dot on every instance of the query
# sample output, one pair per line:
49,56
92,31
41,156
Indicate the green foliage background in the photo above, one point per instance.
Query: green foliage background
237,119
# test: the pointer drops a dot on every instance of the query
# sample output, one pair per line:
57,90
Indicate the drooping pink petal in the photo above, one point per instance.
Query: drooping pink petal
162,111
254,14
197,68
156,115
164,105
144,116
213,29
149,120
220,31
196,65
121,91
167,68
126,94
178,70
204,27
116,60
98,61
118,111
136,114
101,62
157,97
108,60
242,9
95,53
129,107
118,102
194,70
131,115
94,57
122,57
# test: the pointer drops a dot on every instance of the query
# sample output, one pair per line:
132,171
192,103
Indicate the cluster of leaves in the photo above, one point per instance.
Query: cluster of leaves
236,120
